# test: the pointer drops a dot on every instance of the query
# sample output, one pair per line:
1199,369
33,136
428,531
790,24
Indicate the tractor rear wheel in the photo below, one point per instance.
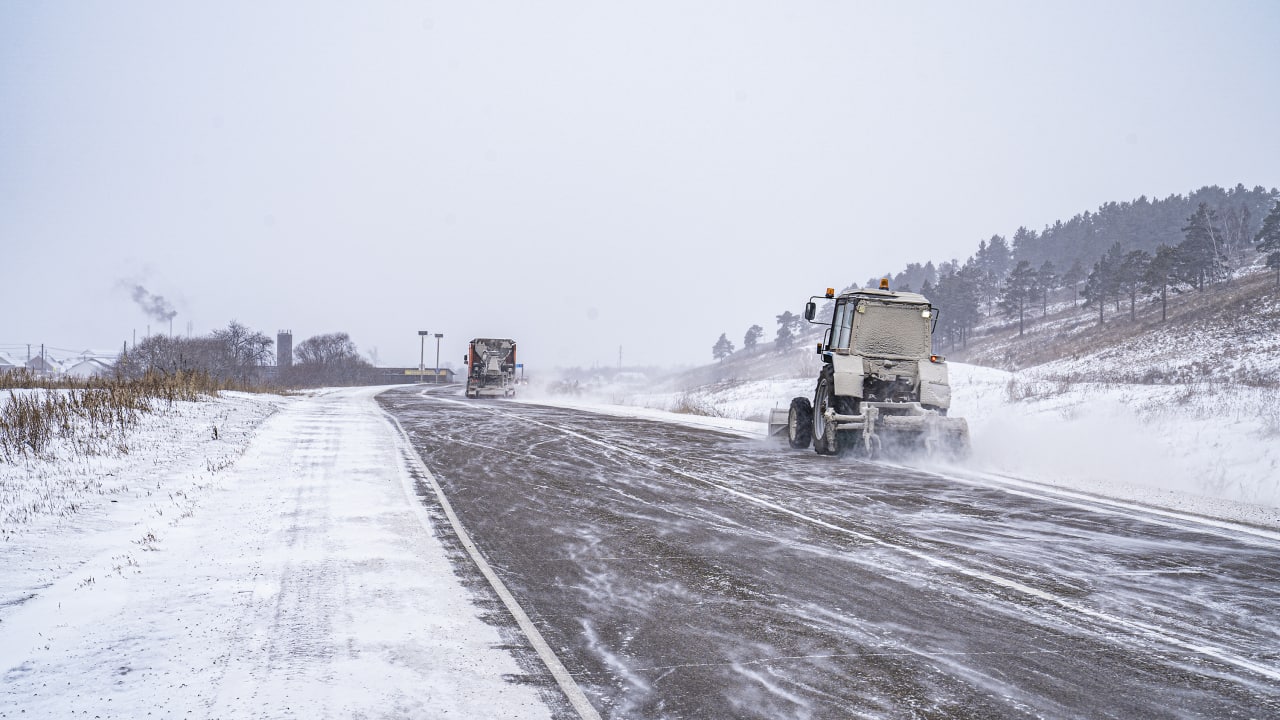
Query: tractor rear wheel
800,423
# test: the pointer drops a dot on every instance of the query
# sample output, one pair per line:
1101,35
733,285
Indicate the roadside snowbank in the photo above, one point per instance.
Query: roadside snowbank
1211,451
1156,445
285,569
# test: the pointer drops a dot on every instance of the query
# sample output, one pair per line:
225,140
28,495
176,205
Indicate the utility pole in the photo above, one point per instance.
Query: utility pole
437,378
422,353
619,358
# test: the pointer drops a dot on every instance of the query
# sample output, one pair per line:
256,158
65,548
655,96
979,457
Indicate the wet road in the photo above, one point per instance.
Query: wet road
685,573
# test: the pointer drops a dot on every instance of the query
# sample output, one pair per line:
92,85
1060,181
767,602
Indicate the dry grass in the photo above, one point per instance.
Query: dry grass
92,417
1270,418
687,404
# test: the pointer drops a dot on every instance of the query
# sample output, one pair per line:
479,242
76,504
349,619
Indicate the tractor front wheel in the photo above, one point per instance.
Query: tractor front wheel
800,423
826,440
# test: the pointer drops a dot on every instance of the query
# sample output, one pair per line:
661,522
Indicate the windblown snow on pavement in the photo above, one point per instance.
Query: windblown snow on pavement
1210,451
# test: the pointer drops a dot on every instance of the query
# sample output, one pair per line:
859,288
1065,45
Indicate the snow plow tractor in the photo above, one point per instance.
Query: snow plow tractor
491,368
881,390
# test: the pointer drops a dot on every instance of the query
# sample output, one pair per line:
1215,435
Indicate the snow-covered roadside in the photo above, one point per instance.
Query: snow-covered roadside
747,428
1216,454
293,576
59,511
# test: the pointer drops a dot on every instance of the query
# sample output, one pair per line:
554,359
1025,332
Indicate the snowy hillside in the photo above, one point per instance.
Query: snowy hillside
1227,334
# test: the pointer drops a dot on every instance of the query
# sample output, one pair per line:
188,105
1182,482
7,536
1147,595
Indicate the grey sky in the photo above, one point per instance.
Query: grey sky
579,176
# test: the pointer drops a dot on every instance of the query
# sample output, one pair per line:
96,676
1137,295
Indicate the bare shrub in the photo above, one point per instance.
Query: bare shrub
1270,419
1017,390
687,404
1251,376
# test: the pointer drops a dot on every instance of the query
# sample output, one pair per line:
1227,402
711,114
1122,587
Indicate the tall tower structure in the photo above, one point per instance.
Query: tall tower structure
284,349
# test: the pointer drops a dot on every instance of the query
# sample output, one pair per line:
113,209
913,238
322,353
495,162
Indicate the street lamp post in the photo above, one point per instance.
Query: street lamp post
422,353
438,336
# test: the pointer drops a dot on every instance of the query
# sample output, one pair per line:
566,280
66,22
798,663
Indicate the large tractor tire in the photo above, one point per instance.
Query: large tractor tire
800,423
826,440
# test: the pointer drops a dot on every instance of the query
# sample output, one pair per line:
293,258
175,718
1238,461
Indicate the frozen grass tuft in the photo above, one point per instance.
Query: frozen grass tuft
689,404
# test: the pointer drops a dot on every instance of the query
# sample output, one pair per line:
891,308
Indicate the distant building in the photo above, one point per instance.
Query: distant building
89,367
439,376
44,365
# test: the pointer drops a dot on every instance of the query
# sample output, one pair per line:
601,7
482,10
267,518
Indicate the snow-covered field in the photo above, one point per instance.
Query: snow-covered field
283,569
1207,449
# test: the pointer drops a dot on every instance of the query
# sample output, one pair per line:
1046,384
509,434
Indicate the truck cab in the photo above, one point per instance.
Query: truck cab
879,347
491,365
881,384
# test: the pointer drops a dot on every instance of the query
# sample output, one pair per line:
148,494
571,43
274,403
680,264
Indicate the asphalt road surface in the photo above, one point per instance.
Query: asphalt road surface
687,573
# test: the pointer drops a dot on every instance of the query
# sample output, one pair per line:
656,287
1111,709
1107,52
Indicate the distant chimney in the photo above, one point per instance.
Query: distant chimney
284,348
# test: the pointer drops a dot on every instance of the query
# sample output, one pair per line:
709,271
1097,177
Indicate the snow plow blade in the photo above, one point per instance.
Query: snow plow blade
778,423
896,428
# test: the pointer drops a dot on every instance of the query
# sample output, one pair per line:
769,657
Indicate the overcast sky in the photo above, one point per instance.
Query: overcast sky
578,176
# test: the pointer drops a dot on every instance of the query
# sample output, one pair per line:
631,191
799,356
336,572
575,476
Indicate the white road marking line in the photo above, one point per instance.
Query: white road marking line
568,685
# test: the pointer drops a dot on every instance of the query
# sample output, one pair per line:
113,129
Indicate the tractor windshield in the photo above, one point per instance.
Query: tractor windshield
891,330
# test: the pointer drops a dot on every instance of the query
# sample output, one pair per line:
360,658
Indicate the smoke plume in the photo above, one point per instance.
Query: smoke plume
153,305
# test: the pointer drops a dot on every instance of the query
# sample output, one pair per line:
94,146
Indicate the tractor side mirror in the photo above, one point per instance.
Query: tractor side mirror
810,309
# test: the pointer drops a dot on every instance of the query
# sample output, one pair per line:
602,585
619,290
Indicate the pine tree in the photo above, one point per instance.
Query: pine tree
957,295
1103,281
913,276
1162,275
930,274
752,338
786,338
992,262
1130,275
1047,281
1018,290
1204,257
999,257
1073,278
1023,241
723,348
1095,288
1268,240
